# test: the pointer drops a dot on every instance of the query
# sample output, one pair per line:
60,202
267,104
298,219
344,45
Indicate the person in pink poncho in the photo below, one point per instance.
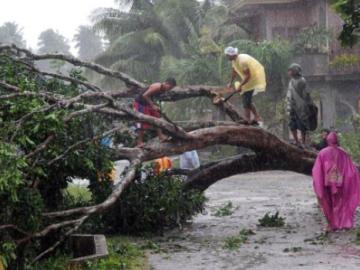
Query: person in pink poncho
337,185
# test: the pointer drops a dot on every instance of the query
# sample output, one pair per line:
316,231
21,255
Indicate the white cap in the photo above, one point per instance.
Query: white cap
231,51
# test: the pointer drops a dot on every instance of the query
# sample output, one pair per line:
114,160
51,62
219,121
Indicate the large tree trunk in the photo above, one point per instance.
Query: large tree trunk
203,177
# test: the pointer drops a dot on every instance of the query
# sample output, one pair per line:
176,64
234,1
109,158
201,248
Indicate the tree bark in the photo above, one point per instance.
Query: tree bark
203,177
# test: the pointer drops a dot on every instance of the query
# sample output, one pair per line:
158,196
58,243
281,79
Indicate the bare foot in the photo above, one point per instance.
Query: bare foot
328,229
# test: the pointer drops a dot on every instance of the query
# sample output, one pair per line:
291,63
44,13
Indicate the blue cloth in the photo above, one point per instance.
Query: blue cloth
106,141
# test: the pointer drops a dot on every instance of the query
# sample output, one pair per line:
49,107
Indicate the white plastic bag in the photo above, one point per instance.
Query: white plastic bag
189,160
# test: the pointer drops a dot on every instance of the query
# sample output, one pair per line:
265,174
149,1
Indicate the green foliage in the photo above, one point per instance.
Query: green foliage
320,239
350,141
28,208
357,239
349,10
123,254
77,196
55,262
235,242
345,60
10,171
143,40
153,204
30,186
7,253
225,210
312,40
270,220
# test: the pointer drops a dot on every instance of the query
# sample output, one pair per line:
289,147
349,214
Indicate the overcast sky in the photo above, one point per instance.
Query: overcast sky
34,16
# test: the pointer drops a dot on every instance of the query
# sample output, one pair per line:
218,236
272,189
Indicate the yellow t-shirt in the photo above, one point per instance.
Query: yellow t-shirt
257,80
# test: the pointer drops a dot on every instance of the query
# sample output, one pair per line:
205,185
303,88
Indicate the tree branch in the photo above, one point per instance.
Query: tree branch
203,177
15,228
77,144
256,139
119,188
76,62
77,224
62,77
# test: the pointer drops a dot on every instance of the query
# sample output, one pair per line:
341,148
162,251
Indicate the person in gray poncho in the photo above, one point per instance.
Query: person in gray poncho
298,101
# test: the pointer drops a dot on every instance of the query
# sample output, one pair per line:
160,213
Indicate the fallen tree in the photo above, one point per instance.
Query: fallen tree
64,111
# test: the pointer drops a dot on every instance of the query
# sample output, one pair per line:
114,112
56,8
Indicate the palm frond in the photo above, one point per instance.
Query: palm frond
114,22
137,68
134,45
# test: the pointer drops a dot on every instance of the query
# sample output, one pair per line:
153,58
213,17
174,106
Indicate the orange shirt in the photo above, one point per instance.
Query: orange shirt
162,164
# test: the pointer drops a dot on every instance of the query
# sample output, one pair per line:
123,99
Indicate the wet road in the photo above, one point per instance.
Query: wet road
299,245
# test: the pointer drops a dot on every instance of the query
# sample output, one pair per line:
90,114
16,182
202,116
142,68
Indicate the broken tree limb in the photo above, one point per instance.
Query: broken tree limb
123,113
193,125
256,139
270,152
77,225
59,76
76,62
203,177
119,188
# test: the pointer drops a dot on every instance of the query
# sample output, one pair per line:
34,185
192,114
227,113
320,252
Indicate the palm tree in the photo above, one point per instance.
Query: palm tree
139,38
88,43
142,32
51,41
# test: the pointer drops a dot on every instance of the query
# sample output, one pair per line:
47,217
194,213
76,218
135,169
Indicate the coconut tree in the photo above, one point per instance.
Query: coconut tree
52,41
88,43
140,37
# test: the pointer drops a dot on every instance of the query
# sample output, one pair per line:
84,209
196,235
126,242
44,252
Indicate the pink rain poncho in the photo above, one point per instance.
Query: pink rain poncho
337,185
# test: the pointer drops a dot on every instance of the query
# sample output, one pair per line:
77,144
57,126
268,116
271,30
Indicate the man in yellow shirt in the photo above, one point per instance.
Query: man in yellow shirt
253,80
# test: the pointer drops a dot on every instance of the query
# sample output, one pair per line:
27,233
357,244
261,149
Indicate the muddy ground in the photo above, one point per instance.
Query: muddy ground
298,245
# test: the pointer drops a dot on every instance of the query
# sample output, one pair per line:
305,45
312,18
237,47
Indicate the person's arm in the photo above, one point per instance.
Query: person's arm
246,79
153,90
233,76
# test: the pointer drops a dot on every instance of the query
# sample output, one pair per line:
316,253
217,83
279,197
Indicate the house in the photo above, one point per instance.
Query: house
332,71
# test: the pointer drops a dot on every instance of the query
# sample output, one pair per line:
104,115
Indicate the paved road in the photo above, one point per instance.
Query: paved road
200,246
